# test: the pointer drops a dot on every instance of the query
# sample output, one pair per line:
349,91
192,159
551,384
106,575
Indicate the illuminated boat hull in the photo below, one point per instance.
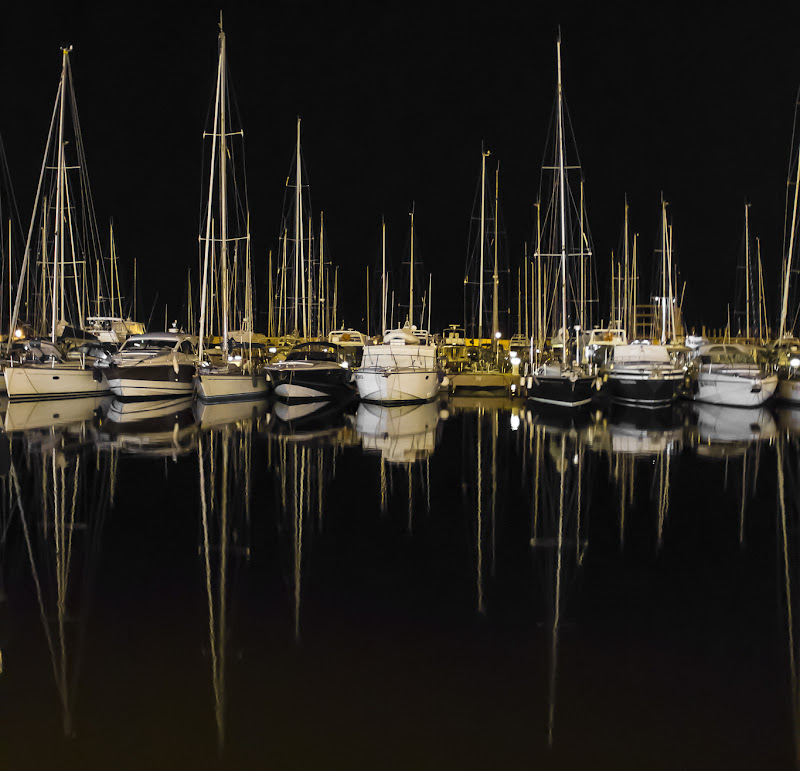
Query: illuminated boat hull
645,386
734,390
567,390
144,380
382,385
62,381
309,380
227,385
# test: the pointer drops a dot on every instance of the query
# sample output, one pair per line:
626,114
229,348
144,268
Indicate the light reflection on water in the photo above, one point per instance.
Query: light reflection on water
338,548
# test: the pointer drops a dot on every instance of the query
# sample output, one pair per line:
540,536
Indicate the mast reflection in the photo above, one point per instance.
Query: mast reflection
304,443
560,497
62,492
224,455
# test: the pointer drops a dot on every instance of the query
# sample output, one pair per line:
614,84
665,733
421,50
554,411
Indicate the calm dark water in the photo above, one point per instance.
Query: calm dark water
460,585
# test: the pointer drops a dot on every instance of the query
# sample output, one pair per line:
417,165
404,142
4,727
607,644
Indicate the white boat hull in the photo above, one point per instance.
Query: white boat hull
220,386
164,380
385,386
734,390
33,381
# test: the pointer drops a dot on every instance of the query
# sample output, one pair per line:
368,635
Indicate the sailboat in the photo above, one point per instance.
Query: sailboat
481,371
643,373
563,379
403,369
60,242
786,348
238,375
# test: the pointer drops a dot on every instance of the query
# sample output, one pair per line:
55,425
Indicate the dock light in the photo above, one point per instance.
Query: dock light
515,360
344,365
514,422
497,335
794,362
272,349
18,333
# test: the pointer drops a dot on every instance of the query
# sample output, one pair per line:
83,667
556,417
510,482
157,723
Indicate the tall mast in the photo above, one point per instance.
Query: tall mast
320,317
626,310
411,274
747,268
383,275
483,239
563,213
223,189
663,270
788,266
298,240
58,235
539,299
208,253
495,278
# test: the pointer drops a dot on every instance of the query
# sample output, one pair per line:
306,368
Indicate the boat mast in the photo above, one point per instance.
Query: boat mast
495,279
320,300
58,235
626,308
563,213
210,209
539,298
788,266
663,338
300,269
223,189
383,275
411,275
483,238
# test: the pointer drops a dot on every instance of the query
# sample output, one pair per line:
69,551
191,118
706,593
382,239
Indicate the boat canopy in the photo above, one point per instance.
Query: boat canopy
641,352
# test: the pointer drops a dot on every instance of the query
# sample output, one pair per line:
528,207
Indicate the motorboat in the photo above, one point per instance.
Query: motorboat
644,374
403,369
153,364
311,371
732,374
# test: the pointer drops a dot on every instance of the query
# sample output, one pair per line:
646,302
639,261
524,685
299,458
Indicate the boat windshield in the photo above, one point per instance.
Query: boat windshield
149,344
313,352
726,354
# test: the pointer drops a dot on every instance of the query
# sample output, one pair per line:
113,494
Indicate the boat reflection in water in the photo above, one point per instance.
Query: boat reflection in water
216,414
62,492
404,437
224,456
734,435
54,413
155,428
400,434
642,447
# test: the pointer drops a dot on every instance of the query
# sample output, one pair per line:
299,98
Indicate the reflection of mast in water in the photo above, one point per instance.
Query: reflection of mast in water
305,469
479,482
788,463
731,433
224,458
558,533
72,495
635,441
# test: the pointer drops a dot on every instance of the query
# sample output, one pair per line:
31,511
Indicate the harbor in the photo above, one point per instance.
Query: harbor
411,389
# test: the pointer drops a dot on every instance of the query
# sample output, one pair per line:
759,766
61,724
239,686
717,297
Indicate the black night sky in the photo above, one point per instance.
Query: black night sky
395,102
